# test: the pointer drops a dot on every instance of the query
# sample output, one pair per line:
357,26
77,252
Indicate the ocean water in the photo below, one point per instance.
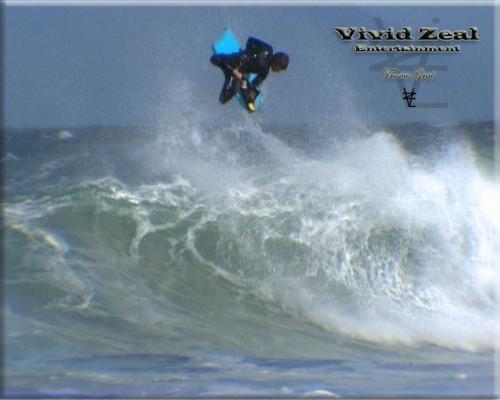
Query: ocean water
198,260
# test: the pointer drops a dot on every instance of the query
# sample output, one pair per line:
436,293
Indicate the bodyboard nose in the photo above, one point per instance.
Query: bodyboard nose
227,44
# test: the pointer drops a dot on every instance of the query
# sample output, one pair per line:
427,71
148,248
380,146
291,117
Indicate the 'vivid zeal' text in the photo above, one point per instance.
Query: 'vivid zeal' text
405,34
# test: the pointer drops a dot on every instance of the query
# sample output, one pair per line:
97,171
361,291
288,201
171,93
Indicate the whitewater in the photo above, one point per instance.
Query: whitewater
199,259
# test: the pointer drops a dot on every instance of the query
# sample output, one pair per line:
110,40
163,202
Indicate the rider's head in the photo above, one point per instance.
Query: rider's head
279,62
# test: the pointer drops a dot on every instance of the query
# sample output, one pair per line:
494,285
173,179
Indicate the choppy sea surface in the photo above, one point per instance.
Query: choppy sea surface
197,260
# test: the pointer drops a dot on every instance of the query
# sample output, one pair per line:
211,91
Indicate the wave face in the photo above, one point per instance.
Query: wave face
206,252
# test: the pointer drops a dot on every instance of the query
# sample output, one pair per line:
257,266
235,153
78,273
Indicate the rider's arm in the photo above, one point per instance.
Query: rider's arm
239,75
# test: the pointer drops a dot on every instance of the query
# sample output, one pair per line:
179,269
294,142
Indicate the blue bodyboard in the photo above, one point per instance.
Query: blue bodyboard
228,44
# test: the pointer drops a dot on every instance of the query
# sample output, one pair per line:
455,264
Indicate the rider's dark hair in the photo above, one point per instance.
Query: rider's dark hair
280,61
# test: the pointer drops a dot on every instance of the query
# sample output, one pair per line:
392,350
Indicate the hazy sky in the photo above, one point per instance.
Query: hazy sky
117,65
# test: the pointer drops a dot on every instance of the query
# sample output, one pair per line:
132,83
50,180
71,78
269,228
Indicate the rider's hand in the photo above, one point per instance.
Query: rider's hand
238,74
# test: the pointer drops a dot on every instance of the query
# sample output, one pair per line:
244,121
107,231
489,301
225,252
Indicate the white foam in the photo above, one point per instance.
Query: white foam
397,251
65,135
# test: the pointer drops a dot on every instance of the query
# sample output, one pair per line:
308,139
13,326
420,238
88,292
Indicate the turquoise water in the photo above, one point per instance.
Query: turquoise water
207,262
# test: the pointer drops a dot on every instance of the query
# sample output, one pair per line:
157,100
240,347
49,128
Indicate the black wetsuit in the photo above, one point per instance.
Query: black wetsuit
256,59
